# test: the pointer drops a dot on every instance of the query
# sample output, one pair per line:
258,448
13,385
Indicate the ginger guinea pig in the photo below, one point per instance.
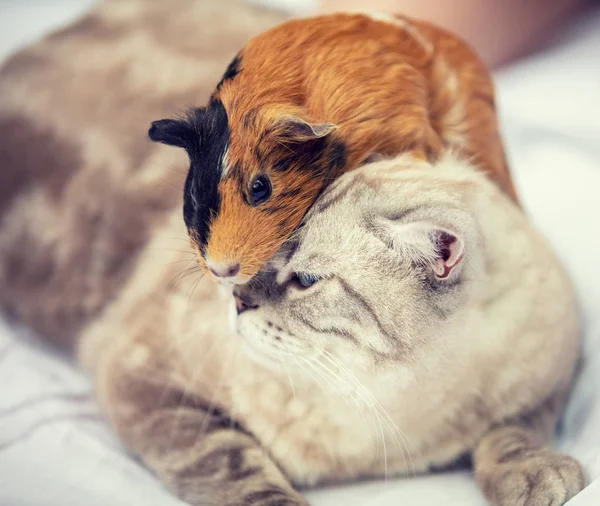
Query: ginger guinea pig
310,99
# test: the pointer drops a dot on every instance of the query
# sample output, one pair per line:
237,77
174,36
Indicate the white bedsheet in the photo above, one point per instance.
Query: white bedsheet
55,449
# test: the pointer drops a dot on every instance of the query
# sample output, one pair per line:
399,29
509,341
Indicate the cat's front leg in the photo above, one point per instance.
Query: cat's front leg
514,467
196,450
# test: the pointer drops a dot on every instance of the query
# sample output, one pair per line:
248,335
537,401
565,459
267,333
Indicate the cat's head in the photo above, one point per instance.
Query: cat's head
382,263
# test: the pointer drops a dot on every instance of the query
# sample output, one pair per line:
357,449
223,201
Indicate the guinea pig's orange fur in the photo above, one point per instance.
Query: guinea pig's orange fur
385,85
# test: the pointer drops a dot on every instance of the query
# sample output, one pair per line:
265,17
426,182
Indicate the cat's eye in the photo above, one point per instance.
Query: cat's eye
305,280
261,190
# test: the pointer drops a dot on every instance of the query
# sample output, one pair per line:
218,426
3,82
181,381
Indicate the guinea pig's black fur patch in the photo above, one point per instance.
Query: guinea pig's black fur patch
204,134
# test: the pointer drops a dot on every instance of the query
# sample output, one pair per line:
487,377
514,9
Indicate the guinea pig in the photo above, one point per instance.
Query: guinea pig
310,99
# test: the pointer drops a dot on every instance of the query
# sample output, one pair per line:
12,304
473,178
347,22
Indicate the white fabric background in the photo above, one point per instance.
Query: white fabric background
55,450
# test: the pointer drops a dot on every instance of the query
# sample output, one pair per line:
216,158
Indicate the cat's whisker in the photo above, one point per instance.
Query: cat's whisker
287,370
331,377
360,390
310,365
325,375
397,434
311,370
372,398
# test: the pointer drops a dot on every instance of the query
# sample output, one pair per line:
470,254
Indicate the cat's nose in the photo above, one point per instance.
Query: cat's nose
224,270
242,302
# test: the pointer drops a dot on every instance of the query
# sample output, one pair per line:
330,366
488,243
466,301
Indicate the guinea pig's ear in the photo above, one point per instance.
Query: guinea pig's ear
172,132
182,133
295,130
439,248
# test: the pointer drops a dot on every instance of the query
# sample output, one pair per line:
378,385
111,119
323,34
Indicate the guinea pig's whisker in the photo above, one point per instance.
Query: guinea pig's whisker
189,260
186,238
173,250
183,274
193,287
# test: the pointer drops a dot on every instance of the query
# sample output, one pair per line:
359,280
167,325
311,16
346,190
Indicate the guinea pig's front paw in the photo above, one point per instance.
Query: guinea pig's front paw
541,479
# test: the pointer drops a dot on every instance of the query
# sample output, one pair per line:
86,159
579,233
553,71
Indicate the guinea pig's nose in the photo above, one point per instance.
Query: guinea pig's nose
225,271
242,302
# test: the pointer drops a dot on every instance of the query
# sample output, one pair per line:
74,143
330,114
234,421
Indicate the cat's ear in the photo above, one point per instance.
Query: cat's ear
438,248
293,129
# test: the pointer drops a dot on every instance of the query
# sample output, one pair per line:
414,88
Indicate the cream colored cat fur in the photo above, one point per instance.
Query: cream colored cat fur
388,365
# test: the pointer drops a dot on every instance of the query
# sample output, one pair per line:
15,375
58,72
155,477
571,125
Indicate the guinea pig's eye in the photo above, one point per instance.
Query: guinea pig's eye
261,190
305,280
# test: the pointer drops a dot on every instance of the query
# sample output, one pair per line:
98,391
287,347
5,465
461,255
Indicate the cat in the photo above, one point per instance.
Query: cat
415,318
94,256
313,98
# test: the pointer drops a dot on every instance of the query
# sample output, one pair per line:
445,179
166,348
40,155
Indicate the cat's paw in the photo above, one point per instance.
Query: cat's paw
271,498
545,479
277,502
